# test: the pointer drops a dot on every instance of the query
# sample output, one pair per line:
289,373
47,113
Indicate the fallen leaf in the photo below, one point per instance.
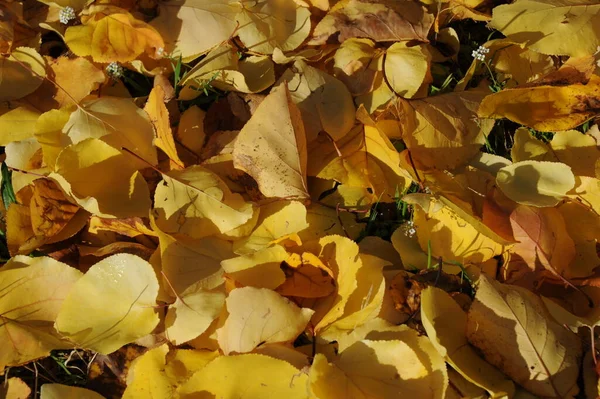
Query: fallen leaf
536,183
380,21
120,291
33,292
257,316
60,391
147,378
159,116
406,68
257,376
113,35
271,147
21,73
446,324
15,388
261,269
513,330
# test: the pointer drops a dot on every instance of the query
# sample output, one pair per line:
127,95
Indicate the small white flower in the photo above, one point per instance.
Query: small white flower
480,53
66,14
114,70
408,228
160,52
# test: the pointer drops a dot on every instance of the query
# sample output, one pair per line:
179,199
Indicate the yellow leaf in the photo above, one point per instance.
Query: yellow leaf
550,27
223,69
48,133
186,262
159,116
547,107
102,180
406,68
536,183
306,277
15,388
190,131
381,369
323,221
203,25
250,375
18,124
197,203
269,25
515,333
259,315
445,323
130,227
452,237
324,102
383,21
441,131
183,363
528,148
577,150
271,147
60,391
357,64
192,313
583,226
120,292
260,269
50,209
116,121
368,160
113,35
269,228
33,290
518,64
146,377
21,73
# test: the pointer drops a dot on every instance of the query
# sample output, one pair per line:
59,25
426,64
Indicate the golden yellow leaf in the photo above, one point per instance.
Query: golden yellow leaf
116,121
528,148
146,377
269,228
60,391
550,27
14,388
113,35
102,180
183,363
271,147
518,64
547,107
577,150
452,237
406,68
18,124
197,203
268,25
120,292
383,21
323,221
203,25
583,226
445,323
190,131
441,131
381,369
186,262
324,102
48,133
50,209
368,160
536,183
33,290
260,269
515,333
259,315
130,227
21,73
192,313
223,69
250,375
306,277
159,116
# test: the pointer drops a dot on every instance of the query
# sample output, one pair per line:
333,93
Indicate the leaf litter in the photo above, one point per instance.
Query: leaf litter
299,198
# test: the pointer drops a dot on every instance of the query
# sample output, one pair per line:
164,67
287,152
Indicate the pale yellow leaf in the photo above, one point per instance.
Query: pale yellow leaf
120,292
258,315
146,378
536,183
33,290
18,124
406,68
260,269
